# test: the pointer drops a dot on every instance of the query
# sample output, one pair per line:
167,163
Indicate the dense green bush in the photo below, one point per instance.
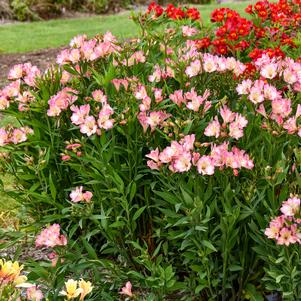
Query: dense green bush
23,10
35,9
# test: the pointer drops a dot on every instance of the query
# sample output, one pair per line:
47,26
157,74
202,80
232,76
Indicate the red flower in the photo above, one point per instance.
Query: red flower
222,50
249,9
221,31
260,5
193,13
288,41
242,45
263,14
218,15
155,8
255,54
233,35
174,12
159,10
203,43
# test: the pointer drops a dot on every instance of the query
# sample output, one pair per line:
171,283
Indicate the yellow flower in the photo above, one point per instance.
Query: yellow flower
20,280
10,272
86,287
72,291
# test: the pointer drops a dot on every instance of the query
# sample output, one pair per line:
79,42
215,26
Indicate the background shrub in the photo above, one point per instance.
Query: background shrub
22,10
30,10
5,10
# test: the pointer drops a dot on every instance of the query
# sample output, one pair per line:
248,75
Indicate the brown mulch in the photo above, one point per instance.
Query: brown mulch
41,58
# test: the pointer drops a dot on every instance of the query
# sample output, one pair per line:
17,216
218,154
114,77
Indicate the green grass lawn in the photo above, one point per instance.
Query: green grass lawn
24,37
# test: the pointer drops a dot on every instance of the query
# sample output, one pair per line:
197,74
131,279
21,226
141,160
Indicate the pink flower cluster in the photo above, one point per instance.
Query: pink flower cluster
267,96
83,49
277,68
34,294
87,123
19,74
161,74
77,195
14,135
191,100
51,237
146,118
234,122
104,117
153,119
120,82
25,72
212,63
235,158
189,52
8,93
258,91
136,58
189,31
61,101
74,147
180,157
285,229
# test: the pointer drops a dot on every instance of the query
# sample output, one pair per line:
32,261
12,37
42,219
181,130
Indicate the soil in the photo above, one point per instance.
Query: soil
41,58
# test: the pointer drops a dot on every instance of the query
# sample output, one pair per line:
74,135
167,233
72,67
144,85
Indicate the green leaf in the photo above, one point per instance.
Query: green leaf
138,213
133,191
90,249
187,198
168,197
52,187
208,245
252,293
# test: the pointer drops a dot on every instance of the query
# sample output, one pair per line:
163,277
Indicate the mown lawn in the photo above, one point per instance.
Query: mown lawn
24,37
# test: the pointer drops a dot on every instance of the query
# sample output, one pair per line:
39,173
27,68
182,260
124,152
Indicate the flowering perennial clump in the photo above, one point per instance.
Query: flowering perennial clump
163,157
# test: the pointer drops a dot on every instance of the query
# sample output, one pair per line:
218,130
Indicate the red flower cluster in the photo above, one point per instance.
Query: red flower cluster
279,23
285,13
232,31
274,25
203,43
257,53
174,12
155,8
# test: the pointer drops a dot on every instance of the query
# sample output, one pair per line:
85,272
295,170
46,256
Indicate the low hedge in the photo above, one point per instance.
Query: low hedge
30,10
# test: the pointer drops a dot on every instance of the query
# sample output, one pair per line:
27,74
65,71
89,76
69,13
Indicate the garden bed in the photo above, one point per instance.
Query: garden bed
163,167
41,58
